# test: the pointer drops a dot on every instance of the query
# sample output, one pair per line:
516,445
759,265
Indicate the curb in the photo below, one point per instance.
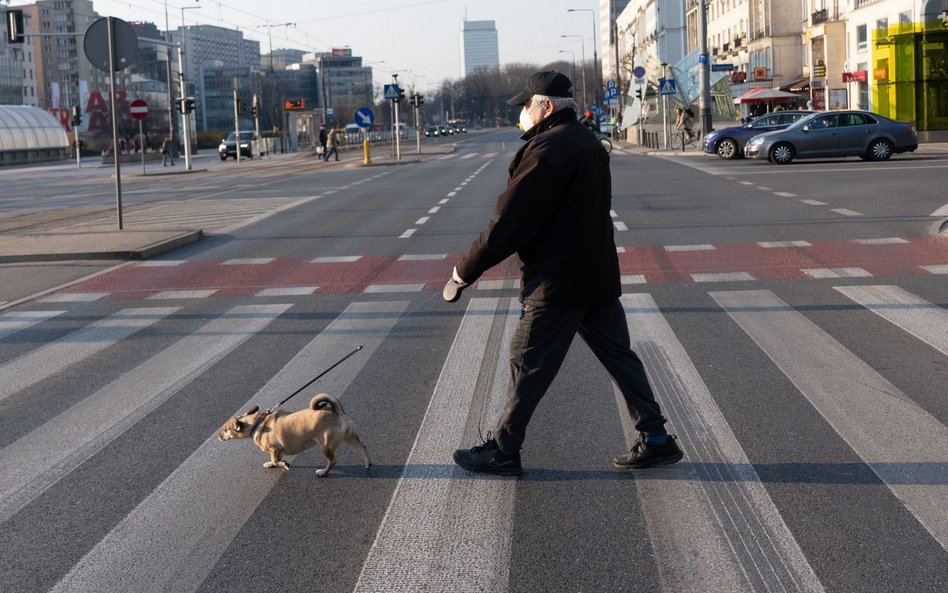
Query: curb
139,253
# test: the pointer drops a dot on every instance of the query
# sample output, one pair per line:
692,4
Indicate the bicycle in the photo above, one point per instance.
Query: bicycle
606,143
681,140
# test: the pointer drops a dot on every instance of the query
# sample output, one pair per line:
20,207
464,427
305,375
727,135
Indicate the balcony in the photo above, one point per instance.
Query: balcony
819,17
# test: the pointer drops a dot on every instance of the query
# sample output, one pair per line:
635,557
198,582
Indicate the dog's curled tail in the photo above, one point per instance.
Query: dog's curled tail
324,400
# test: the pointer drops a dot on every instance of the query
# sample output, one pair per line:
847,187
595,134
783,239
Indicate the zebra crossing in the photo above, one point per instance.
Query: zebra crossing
711,522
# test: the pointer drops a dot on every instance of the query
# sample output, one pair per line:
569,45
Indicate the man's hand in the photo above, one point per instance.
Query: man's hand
452,290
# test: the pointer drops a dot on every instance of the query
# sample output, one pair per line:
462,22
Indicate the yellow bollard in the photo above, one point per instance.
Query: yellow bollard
367,158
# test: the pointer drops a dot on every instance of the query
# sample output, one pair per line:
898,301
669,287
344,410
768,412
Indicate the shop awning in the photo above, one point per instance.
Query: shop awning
795,86
764,95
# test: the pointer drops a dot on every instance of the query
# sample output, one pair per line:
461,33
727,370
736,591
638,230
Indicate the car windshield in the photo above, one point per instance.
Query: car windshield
244,136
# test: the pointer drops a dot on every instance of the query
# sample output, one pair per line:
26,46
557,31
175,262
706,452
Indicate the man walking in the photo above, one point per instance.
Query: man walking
166,152
555,215
333,143
323,138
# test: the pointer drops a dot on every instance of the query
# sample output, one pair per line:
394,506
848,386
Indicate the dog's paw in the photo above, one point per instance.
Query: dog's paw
269,465
285,466
322,472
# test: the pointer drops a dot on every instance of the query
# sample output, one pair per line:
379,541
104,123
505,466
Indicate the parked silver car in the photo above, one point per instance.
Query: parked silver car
867,135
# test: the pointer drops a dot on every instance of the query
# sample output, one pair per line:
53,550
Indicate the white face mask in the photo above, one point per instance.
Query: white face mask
526,122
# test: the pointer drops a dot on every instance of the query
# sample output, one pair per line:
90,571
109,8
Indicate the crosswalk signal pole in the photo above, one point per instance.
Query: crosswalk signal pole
398,144
236,122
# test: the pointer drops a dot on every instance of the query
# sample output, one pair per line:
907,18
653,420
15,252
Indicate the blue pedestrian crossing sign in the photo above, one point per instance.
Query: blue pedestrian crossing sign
666,86
364,117
391,92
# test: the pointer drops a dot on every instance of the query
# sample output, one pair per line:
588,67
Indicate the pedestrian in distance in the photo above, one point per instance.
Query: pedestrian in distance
555,215
166,155
332,142
323,138
684,121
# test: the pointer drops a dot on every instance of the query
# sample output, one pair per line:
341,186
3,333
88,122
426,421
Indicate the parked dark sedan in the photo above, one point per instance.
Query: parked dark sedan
867,135
729,143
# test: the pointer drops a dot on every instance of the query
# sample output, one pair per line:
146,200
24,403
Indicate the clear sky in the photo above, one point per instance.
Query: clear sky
418,39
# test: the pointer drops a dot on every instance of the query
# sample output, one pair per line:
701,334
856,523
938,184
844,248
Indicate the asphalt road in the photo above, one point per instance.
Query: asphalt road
793,321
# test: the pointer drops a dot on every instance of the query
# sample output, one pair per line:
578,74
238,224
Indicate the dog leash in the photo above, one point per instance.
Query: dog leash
339,362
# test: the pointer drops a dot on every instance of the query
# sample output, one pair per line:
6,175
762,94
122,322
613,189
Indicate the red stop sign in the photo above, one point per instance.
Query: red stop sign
139,109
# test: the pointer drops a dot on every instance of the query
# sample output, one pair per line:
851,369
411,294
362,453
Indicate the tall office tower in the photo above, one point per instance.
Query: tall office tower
479,46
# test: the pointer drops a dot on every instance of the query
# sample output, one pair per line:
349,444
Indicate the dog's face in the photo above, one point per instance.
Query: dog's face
239,427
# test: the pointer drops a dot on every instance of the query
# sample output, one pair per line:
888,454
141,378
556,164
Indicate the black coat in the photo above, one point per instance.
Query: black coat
555,215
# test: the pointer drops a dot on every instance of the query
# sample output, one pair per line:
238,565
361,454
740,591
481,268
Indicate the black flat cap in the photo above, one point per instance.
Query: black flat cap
550,83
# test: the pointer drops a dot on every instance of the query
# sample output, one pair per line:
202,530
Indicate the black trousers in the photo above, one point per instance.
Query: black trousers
538,348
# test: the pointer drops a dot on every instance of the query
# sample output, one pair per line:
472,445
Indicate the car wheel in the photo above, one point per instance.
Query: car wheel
782,153
728,149
880,150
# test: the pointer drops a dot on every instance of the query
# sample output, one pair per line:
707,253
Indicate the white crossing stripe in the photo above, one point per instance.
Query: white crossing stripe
498,284
161,263
39,459
936,269
881,241
704,247
386,288
199,509
620,226
248,261
845,212
856,401
836,273
287,291
784,194
335,259
434,210
11,323
813,202
469,155
422,220
712,508
489,155
438,518
74,297
423,257
450,155
915,315
444,201
632,279
722,276
407,234
183,294
776,244
53,358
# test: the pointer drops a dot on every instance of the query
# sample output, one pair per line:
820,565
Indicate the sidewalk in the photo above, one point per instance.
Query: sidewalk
56,235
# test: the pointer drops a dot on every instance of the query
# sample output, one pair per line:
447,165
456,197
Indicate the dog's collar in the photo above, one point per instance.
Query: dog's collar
259,423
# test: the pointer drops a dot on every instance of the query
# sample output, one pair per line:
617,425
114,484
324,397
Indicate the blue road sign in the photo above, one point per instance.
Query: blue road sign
703,58
391,91
639,72
666,86
364,117
610,84
722,67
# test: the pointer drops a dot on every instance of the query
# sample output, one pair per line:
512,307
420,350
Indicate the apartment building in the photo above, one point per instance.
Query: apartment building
17,69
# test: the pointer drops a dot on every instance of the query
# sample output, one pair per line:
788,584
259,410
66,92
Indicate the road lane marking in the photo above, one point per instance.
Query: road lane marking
846,212
943,211
74,297
836,273
722,277
36,461
915,315
712,524
182,294
498,284
855,400
423,220
287,291
784,194
704,247
174,537
440,516
444,201
160,263
11,323
880,241
407,234
57,356
776,244
632,279
248,261
812,202
434,210
335,259
937,269
620,226
389,288
423,257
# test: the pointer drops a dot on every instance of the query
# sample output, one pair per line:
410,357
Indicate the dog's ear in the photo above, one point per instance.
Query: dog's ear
253,410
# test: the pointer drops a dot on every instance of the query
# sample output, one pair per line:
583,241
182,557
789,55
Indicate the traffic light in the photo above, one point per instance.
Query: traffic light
186,105
638,93
180,105
241,107
76,116
401,95
16,31
254,111
417,100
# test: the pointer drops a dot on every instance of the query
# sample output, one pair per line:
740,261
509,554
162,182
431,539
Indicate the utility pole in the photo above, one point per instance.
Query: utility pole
704,70
615,40
398,144
236,121
186,116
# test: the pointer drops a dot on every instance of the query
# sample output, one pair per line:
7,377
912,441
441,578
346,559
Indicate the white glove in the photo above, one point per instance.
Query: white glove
452,290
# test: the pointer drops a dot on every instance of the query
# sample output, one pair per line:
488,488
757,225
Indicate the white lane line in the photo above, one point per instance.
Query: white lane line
423,220
336,259
11,323
451,194
434,210
712,524
846,212
776,244
620,226
436,520
936,269
784,194
489,155
613,214
459,188
182,294
41,458
746,182
855,400
407,234
507,283
389,288
943,211
74,297
57,356
184,526
620,249
761,187
880,241
447,156
423,257
469,155
915,315
813,202
704,247
444,201
287,291
836,273
722,277
632,279
248,261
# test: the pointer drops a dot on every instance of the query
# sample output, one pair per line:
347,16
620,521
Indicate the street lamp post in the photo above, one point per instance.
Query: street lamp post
596,85
583,42
184,93
573,59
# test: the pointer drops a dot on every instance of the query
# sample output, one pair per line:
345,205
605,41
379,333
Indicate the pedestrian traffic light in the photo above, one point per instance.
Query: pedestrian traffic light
254,111
76,116
638,93
401,95
179,103
417,100
16,31
188,105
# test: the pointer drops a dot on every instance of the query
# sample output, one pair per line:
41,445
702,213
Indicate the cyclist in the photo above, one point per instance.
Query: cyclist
686,118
